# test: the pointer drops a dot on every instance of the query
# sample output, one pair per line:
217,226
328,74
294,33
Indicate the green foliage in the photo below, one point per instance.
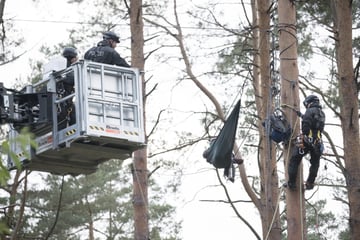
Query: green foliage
4,173
24,138
102,200
321,222
3,228
344,235
304,46
317,12
236,58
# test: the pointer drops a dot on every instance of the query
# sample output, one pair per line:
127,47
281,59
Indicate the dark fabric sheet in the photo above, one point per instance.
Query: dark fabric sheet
220,151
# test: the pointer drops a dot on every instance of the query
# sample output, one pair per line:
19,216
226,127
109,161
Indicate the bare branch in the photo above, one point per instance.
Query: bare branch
58,209
151,90
153,171
312,87
2,7
235,209
224,201
156,123
22,208
176,148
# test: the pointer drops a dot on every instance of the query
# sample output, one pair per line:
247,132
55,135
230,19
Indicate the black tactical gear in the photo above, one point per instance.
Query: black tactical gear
69,52
104,53
65,87
312,126
313,119
310,99
296,157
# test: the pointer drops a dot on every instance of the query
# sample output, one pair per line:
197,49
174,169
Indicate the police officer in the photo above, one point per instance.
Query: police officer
71,55
66,116
309,141
105,52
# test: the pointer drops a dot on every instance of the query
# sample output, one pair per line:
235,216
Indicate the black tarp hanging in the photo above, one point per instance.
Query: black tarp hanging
220,152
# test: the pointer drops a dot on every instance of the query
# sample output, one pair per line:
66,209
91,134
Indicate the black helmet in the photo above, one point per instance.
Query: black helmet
69,52
310,100
111,35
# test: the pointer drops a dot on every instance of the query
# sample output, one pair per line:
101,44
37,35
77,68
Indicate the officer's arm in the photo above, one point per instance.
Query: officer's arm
306,123
119,61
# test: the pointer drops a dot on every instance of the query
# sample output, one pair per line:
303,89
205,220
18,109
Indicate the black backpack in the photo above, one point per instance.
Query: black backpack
280,129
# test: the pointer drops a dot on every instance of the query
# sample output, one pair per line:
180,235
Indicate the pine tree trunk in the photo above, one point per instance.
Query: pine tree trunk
295,204
268,169
140,172
349,109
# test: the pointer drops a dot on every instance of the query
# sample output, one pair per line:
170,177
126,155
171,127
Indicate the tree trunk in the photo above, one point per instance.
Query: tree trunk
140,172
268,170
91,229
290,96
10,215
349,109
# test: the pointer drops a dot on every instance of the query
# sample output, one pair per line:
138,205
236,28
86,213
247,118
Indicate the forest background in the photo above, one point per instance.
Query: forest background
179,113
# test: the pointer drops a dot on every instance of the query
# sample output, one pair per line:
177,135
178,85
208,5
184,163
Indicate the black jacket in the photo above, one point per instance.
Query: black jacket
313,119
103,53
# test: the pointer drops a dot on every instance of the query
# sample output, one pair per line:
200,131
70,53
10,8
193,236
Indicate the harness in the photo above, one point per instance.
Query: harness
313,139
65,108
309,141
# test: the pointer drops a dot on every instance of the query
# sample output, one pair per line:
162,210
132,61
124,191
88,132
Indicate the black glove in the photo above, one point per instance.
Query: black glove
299,114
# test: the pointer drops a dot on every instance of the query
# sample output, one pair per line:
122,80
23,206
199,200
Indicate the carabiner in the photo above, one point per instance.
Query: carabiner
301,151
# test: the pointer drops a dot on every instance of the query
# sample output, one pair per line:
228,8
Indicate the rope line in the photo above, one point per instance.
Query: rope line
135,171
301,206
290,29
274,215
273,98
301,178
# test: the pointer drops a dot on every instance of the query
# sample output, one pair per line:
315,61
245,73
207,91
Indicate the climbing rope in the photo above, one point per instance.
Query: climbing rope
301,183
274,215
273,98
301,178
138,181
275,89
301,207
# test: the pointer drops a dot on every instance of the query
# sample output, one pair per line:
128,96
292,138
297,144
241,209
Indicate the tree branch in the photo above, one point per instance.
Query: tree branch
235,209
58,209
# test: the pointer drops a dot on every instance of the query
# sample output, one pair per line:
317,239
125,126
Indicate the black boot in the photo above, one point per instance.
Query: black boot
291,185
309,185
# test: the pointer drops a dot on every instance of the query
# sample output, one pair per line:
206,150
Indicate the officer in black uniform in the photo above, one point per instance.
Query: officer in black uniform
66,115
309,141
71,56
105,52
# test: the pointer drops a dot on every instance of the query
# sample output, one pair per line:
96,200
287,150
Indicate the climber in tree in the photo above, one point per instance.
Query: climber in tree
309,141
